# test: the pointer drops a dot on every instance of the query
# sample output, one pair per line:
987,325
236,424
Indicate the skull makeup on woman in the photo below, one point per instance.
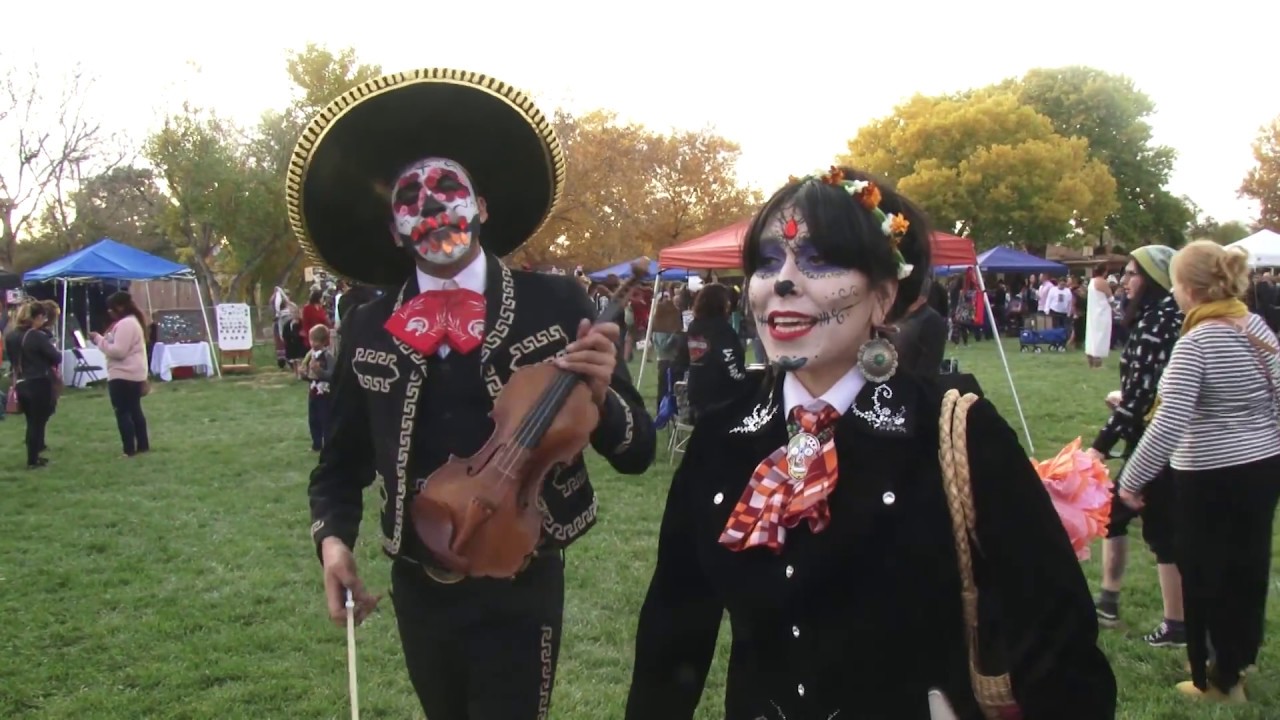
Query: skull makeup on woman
437,211
815,507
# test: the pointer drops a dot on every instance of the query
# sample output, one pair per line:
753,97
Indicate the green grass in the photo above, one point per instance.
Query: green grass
183,584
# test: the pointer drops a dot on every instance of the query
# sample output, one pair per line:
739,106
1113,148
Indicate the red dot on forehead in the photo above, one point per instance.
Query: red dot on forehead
790,229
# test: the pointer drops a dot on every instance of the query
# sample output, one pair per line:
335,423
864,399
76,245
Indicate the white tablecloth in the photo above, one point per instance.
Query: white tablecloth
93,356
164,358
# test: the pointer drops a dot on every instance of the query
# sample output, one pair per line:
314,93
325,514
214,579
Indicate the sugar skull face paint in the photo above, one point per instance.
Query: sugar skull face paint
436,211
810,312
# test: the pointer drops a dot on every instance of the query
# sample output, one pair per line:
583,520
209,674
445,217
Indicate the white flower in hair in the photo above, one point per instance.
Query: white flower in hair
904,270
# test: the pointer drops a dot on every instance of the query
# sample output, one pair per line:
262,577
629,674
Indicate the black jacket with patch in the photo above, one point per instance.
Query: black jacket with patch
1142,363
380,398
864,618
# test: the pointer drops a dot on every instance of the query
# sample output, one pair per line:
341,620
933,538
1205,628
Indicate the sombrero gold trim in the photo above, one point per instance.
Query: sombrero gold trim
320,131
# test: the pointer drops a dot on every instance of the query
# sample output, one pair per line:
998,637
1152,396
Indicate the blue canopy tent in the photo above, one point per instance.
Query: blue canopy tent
1008,260
110,260
623,271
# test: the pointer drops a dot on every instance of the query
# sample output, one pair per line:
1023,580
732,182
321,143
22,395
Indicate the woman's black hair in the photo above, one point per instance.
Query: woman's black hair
316,297
122,303
1099,270
1151,293
849,236
712,301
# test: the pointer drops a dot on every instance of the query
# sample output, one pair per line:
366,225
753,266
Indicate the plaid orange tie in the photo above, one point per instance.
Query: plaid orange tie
790,485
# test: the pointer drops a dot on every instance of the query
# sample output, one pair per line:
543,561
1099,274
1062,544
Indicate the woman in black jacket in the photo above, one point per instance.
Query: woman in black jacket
716,370
34,359
814,510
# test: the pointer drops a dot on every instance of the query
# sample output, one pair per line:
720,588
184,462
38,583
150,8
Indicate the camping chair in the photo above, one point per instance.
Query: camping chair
83,367
681,424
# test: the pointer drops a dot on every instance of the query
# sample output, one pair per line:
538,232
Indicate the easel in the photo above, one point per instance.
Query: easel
236,361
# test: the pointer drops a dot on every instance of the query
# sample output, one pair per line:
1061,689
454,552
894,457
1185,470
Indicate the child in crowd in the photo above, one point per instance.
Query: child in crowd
317,367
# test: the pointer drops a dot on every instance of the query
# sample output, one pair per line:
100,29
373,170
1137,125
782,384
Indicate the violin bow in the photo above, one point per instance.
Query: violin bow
351,657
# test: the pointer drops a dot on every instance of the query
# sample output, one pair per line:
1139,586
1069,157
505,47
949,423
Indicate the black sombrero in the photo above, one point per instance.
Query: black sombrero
338,186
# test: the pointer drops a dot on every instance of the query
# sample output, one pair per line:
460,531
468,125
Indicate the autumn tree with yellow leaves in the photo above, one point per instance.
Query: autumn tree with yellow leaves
988,166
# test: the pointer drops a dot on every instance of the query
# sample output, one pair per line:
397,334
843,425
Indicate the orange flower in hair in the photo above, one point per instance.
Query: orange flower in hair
898,226
870,196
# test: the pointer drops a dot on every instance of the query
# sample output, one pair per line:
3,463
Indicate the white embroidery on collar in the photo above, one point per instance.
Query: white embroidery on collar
759,417
882,418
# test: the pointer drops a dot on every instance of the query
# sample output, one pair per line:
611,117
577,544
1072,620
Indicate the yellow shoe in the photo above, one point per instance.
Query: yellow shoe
1235,695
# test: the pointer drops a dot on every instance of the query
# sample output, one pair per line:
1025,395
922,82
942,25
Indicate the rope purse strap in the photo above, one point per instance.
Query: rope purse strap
993,692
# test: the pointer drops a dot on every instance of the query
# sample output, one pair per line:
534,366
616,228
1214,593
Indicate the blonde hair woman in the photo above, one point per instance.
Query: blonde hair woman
1216,424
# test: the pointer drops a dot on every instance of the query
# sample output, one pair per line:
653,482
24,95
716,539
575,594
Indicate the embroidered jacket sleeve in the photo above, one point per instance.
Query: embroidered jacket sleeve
625,436
1179,393
1031,584
680,618
1154,345
346,465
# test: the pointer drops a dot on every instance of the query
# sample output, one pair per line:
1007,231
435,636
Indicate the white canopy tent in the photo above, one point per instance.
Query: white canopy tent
1263,248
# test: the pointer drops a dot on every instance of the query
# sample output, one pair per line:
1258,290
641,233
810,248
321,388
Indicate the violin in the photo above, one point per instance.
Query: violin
482,516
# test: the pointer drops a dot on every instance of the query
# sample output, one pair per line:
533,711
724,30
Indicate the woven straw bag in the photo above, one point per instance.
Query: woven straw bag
993,692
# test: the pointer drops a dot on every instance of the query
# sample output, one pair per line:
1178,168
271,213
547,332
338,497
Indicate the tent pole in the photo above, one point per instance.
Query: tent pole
150,312
982,287
62,337
648,330
213,342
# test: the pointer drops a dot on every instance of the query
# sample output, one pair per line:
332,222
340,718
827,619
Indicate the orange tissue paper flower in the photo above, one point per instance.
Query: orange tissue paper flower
1080,487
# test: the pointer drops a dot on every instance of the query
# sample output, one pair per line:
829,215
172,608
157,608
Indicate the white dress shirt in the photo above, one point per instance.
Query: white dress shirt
839,396
473,277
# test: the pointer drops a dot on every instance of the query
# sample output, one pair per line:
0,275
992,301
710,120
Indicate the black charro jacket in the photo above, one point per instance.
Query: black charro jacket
864,618
378,396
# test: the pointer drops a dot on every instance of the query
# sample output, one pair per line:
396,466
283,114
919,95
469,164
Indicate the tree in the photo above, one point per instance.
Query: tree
47,142
984,164
1204,227
123,204
1111,113
1263,182
630,191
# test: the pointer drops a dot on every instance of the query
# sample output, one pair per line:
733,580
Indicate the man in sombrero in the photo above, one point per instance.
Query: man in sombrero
420,182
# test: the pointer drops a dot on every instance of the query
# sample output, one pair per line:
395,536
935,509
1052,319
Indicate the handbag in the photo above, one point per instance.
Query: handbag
146,387
994,693
11,404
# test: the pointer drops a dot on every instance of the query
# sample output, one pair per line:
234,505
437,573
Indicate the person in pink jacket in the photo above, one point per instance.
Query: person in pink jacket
125,346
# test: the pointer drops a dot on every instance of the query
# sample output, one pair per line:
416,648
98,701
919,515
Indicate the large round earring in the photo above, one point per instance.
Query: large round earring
878,358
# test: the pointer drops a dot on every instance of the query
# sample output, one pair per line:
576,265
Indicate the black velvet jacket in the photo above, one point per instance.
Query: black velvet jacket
864,618
378,395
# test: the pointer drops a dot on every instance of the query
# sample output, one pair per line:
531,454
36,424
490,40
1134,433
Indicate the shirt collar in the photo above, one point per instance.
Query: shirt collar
840,396
473,277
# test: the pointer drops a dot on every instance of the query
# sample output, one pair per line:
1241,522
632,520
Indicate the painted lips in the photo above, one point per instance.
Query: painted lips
790,325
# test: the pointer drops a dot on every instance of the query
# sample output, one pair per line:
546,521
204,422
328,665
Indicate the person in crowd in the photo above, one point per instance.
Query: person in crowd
1097,318
34,362
313,314
125,347
717,370
668,339
814,510
1153,322
1217,423
921,339
317,369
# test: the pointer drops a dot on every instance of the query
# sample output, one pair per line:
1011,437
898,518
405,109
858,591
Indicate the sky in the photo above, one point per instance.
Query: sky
790,82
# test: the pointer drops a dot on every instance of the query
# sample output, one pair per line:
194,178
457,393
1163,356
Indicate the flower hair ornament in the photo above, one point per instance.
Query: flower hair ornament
893,225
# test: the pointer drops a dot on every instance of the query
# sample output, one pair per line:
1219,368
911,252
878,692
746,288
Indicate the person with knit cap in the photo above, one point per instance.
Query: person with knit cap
1154,322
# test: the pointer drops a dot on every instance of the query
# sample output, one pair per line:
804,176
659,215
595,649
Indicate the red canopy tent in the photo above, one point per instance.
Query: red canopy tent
722,250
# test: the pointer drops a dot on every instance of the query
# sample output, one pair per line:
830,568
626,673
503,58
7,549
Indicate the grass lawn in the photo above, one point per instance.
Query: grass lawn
183,584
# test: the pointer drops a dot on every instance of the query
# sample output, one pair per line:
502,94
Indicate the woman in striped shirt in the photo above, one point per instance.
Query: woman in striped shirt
1217,423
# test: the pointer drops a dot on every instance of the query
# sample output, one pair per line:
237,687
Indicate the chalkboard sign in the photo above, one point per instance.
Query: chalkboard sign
179,326
235,332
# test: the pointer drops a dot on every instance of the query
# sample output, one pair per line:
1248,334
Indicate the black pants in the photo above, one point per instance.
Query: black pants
1224,552
126,400
35,398
481,649
318,418
1159,499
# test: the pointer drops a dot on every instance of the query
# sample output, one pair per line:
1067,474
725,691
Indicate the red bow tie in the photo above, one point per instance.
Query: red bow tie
435,316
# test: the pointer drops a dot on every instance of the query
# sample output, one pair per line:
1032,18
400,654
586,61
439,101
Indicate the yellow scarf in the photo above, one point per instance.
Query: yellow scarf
1228,309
